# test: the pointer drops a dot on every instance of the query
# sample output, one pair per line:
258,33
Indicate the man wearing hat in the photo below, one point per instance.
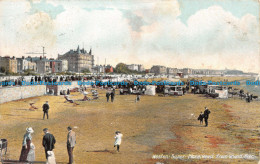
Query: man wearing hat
71,141
48,141
206,116
45,109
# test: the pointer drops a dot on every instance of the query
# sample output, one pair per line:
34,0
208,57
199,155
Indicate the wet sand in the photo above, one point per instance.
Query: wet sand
154,126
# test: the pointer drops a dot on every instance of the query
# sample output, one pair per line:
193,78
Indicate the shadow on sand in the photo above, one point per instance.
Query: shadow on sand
23,109
194,125
102,151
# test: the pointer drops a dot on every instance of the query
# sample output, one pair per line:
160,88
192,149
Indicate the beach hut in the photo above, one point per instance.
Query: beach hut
217,91
150,90
173,90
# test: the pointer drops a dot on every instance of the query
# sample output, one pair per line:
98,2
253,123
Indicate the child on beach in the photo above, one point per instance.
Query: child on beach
118,139
201,116
137,98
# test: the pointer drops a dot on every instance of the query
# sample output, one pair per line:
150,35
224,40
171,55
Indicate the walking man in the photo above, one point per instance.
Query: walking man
112,96
48,141
45,108
206,116
107,95
71,141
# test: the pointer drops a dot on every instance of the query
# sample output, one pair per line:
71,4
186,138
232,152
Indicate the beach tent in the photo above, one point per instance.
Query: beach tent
220,90
150,90
223,94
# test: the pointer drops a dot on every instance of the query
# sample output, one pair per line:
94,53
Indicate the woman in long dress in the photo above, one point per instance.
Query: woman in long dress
31,154
27,140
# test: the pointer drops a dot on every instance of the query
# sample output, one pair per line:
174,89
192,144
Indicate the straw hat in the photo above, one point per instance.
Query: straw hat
29,130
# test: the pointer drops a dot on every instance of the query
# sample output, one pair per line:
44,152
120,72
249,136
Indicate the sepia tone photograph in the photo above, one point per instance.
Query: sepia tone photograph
129,81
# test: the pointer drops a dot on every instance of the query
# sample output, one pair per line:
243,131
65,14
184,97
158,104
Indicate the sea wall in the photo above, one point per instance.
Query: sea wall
21,92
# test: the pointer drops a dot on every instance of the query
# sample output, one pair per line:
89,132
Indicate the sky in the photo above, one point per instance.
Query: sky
212,34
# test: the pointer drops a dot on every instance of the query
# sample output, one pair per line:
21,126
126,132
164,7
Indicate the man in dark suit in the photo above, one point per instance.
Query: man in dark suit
45,109
71,141
107,95
48,141
206,116
112,96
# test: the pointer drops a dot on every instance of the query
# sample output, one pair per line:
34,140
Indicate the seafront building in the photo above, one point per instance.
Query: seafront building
136,67
78,60
158,69
42,64
23,65
109,69
58,65
172,71
98,69
9,64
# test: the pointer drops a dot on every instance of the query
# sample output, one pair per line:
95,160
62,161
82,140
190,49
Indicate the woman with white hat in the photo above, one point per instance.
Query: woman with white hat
27,140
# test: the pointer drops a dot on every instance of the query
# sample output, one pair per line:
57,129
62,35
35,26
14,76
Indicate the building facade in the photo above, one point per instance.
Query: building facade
9,64
172,71
23,65
133,67
98,69
158,69
78,60
58,65
109,69
187,71
141,68
42,64
65,65
136,67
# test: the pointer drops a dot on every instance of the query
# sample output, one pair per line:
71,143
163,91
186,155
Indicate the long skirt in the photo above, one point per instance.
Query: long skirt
24,152
31,154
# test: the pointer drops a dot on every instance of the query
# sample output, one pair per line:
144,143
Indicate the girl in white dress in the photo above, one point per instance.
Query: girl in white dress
118,139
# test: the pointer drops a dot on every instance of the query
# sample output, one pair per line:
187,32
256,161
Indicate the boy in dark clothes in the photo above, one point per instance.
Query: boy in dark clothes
201,116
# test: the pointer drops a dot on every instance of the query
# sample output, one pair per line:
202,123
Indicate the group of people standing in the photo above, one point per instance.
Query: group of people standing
204,116
249,97
110,94
48,142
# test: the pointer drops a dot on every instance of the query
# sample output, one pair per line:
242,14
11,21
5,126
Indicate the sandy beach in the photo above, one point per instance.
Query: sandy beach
154,126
